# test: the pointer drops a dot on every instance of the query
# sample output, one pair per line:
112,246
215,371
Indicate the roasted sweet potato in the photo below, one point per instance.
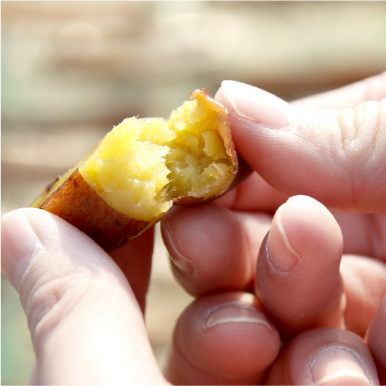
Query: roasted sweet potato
141,167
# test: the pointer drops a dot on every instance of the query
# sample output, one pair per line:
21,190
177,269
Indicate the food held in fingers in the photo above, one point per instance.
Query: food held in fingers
141,167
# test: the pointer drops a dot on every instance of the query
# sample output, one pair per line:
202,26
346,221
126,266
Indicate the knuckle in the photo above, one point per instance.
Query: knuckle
362,129
352,136
46,301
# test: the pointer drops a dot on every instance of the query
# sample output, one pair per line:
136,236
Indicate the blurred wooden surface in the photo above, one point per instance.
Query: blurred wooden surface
98,63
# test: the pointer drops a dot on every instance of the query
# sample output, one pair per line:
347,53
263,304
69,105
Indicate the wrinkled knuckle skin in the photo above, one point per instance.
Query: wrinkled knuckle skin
363,131
352,135
44,302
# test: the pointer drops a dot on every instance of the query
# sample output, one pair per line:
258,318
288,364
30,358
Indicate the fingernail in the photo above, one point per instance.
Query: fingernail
181,262
235,313
258,105
281,253
19,245
338,367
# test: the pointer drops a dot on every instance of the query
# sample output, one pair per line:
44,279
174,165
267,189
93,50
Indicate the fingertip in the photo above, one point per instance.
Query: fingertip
220,95
310,227
207,247
56,234
303,227
257,105
337,366
324,356
19,243
298,276
223,339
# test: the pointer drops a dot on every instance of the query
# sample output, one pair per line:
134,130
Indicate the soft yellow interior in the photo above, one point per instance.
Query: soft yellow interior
141,165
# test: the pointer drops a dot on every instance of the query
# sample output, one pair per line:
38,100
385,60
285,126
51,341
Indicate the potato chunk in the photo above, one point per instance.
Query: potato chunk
144,165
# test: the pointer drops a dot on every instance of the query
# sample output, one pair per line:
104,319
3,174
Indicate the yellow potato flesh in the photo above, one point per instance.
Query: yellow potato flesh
127,172
141,165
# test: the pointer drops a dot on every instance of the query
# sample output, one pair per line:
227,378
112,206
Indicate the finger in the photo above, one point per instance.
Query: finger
370,89
364,282
363,234
222,339
257,194
376,340
324,356
297,276
254,194
213,249
336,156
134,259
86,326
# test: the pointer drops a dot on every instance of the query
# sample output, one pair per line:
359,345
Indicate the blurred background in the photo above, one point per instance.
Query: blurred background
72,70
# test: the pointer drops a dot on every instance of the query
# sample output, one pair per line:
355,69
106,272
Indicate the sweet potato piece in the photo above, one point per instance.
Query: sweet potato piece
77,203
143,166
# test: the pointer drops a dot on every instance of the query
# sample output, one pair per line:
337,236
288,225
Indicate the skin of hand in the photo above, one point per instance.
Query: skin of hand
85,310
330,147
87,325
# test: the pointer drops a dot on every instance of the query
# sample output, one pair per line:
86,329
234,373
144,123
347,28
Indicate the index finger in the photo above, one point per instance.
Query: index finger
255,193
334,156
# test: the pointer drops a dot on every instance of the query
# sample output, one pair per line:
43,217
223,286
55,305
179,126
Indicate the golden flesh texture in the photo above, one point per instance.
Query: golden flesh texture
141,167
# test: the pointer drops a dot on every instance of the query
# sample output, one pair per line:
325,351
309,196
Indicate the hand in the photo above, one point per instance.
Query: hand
298,281
86,319
334,156
87,325
84,310
300,294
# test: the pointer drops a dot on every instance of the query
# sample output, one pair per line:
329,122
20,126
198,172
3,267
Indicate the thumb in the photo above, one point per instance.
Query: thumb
336,156
85,323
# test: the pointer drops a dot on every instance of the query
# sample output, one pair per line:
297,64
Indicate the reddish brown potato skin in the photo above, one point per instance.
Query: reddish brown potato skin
77,203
